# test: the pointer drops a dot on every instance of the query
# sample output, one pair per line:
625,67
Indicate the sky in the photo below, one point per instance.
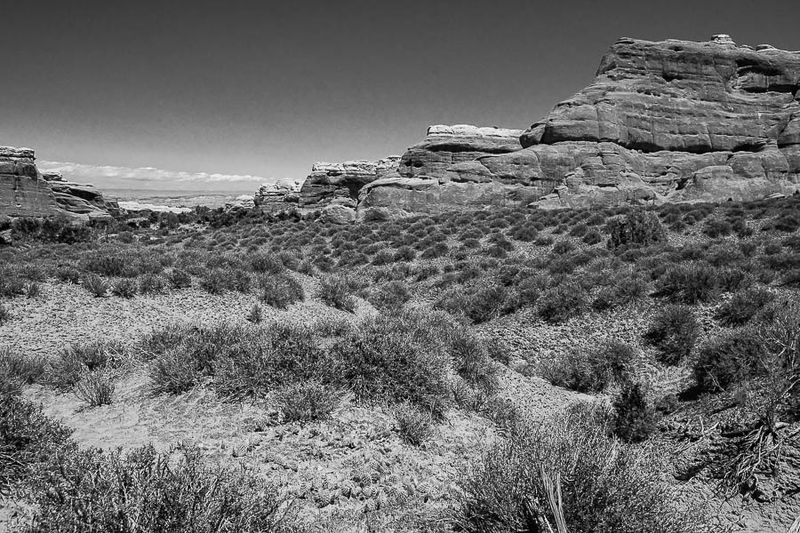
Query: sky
208,91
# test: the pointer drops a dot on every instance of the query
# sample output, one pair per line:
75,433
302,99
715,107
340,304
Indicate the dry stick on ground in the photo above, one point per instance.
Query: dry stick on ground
554,498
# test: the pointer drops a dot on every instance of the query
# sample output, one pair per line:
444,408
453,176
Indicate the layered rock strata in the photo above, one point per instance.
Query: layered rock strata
329,182
668,121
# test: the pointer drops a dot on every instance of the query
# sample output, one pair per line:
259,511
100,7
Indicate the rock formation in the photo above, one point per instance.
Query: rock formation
343,181
26,192
666,121
277,196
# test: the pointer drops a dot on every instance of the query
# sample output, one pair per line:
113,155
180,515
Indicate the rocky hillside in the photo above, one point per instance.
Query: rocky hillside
669,121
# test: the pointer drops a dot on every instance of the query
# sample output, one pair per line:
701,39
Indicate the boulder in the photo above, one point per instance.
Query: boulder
83,201
338,214
23,191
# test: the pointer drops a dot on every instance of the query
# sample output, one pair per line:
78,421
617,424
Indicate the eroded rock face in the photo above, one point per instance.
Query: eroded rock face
277,196
666,121
330,181
23,191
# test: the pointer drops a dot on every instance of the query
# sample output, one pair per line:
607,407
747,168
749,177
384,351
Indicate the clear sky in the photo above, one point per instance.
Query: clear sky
265,88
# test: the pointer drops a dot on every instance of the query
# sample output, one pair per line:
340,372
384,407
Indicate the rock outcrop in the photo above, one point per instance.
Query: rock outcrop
26,192
343,181
277,196
668,121
23,191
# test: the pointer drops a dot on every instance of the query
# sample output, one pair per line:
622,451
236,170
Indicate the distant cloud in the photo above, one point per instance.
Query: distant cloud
84,172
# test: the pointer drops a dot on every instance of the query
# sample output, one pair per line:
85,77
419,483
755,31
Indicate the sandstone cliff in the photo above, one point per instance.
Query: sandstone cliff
666,121
26,192
342,181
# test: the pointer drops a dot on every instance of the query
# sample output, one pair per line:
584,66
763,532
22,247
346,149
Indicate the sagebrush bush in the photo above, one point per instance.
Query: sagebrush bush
76,360
414,425
335,292
179,278
591,370
281,290
95,388
5,314
604,485
673,332
391,296
307,401
639,228
634,417
96,285
151,284
256,314
743,306
27,438
174,491
393,358
728,359
266,263
564,301
689,283
623,290
124,288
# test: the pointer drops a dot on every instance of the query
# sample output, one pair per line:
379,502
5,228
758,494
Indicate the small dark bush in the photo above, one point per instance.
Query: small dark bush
562,302
124,288
391,296
593,370
404,253
638,228
95,388
673,332
179,278
307,401
413,424
281,290
5,315
151,284
688,283
592,237
634,418
563,247
728,359
743,306
264,263
96,285
335,292
256,314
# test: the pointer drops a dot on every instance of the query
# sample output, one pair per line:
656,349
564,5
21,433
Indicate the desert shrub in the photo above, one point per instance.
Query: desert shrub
688,283
523,232
623,290
673,332
471,360
413,424
95,388
544,240
395,358
5,314
439,249
307,401
96,285
728,359
240,361
215,281
27,439
634,417
334,291
33,289
115,265
602,485
266,263
638,228
76,360
280,290
256,314
563,247
579,230
391,296
25,369
68,275
715,228
179,278
404,253
151,284
480,303
173,491
743,306
592,237
124,288
564,301
591,370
